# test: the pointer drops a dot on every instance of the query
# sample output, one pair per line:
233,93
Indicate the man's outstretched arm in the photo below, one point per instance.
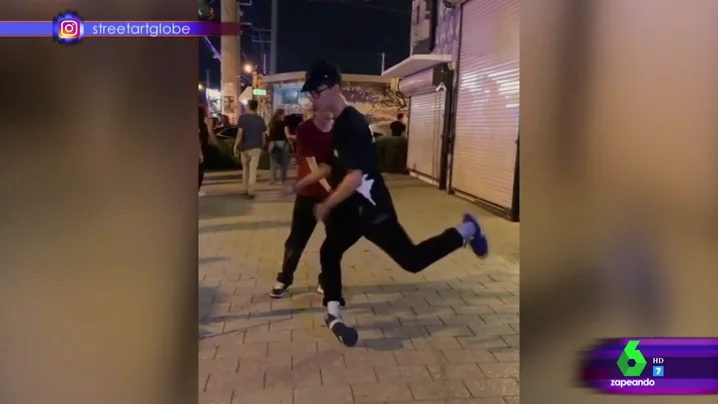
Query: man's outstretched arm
357,157
323,171
305,150
314,166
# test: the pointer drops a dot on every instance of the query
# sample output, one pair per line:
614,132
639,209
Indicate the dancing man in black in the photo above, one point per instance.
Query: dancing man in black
360,204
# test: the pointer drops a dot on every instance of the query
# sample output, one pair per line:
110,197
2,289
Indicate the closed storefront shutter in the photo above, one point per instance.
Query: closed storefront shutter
487,114
426,123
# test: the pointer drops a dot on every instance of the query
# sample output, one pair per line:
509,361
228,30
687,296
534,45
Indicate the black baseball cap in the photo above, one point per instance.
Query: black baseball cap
321,74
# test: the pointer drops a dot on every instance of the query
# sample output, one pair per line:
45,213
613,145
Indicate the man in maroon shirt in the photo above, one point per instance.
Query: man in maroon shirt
314,147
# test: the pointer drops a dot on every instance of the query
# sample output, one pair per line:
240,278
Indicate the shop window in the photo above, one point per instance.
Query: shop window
434,21
424,19
287,95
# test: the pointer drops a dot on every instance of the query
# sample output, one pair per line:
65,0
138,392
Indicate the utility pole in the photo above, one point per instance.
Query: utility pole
206,76
262,37
230,62
383,62
273,41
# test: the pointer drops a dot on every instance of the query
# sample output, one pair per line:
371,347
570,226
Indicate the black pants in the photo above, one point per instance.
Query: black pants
303,224
200,174
345,227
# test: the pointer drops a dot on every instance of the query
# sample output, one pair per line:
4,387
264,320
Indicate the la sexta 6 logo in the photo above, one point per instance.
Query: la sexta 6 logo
68,28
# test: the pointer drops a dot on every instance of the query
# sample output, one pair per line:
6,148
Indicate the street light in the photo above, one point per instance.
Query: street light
248,68
200,87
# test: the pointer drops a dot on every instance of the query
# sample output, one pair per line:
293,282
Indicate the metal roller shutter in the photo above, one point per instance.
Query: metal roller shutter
426,123
487,115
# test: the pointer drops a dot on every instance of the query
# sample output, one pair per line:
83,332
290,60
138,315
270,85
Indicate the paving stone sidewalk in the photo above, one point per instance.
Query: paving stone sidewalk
449,335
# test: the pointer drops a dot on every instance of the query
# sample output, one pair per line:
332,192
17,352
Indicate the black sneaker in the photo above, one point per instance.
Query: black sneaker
279,290
345,334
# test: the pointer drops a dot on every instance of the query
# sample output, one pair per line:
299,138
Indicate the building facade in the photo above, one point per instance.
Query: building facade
374,96
463,95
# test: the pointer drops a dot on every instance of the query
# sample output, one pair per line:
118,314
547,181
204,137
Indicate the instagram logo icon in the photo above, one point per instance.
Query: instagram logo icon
68,28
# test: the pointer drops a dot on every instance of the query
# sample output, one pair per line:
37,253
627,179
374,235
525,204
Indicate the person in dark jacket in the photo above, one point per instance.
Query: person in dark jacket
206,137
279,148
398,127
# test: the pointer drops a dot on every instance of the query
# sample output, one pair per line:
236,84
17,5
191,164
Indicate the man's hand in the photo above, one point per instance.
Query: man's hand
325,184
321,210
213,140
201,158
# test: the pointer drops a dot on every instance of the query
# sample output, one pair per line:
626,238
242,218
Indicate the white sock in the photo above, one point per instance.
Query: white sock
278,285
467,230
335,309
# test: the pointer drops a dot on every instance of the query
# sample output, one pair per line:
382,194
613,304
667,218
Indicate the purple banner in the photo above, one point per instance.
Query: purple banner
666,366
153,29
682,342
660,387
675,368
76,28
660,352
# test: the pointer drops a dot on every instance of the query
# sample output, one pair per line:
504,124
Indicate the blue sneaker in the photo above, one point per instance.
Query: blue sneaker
479,244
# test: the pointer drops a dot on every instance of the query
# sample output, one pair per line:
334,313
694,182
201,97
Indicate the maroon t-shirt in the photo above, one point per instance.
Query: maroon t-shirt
312,142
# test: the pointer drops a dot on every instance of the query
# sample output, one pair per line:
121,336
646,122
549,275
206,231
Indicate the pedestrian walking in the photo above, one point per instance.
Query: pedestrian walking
279,148
206,137
248,145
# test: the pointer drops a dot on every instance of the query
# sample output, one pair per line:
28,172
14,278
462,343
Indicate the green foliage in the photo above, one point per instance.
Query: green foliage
220,159
391,149
392,153
224,159
203,8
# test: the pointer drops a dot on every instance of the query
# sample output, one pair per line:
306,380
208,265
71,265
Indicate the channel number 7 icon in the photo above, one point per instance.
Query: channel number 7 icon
68,28
631,353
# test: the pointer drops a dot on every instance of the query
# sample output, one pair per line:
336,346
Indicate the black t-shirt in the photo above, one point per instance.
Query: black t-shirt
354,148
397,128
292,122
276,132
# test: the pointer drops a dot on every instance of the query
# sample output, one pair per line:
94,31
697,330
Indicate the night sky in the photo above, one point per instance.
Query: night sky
350,33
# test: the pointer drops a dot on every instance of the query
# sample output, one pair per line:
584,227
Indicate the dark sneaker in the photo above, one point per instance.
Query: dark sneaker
479,244
279,290
345,334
